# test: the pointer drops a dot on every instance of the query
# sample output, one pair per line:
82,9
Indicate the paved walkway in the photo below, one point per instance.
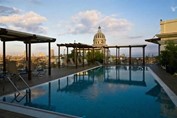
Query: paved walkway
169,80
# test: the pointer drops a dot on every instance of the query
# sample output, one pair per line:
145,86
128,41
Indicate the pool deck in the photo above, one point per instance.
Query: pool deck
169,80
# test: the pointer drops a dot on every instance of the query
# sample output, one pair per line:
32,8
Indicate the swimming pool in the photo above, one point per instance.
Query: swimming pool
104,92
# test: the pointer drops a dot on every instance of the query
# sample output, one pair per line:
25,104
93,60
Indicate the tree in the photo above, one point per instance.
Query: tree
98,56
168,57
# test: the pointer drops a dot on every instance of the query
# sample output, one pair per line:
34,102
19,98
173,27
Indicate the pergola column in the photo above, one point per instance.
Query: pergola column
107,56
26,60
130,56
143,55
104,59
83,58
4,56
116,55
93,55
67,56
159,49
49,63
29,60
59,57
76,56
119,54
88,55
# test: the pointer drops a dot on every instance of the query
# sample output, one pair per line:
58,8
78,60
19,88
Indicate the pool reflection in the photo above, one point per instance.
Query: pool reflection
116,78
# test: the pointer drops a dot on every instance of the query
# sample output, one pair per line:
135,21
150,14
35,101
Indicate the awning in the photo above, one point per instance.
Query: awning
153,40
12,35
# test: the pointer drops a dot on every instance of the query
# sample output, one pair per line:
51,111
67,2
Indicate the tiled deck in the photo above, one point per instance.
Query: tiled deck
168,79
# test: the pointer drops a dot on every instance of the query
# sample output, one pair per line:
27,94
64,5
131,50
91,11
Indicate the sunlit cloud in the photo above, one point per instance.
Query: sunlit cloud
88,22
17,19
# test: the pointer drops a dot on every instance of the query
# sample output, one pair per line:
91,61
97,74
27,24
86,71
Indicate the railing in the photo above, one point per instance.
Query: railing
14,85
28,92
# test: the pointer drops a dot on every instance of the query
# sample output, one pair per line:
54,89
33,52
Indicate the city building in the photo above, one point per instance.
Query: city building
99,41
168,32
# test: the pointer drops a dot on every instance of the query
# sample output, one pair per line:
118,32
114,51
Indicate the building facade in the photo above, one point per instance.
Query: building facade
99,39
99,42
168,32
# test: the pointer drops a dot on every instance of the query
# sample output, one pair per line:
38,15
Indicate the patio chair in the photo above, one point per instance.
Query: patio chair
64,62
71,62
13,74
79,61
12,70
39,71
85,62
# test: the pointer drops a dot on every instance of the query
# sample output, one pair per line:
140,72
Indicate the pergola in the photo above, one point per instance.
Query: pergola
126,46
85,46
76,46
7,35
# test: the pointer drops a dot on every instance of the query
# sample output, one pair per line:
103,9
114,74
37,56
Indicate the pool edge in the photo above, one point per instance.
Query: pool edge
34,112
169,92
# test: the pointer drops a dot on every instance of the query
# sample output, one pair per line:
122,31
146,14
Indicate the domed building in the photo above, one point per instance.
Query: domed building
99,39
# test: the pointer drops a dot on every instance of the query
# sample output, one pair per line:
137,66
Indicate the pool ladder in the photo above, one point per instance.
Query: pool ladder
17,94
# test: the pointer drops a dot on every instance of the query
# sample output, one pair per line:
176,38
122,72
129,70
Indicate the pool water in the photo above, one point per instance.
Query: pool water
104,92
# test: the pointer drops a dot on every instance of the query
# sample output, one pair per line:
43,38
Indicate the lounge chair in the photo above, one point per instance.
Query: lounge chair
71,62
39,71
79,61
64,61
13,74
12,70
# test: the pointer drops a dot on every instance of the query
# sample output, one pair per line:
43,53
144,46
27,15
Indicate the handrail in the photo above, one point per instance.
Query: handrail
15,99
14,86
23,81
29,90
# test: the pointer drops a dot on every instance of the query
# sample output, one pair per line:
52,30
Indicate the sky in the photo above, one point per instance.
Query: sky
124,22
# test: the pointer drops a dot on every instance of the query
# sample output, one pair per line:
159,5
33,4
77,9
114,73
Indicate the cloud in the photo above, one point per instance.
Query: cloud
4,11
17,19
173,8
88,22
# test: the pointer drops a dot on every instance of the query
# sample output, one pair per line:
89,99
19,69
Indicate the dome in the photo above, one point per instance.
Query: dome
99,34
99,39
